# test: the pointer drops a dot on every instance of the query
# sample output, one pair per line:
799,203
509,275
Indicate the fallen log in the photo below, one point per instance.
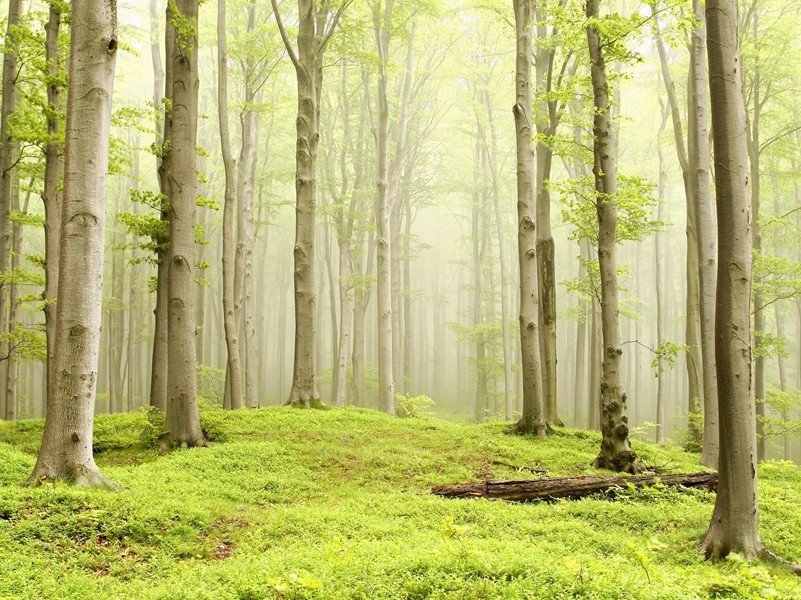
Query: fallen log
552,488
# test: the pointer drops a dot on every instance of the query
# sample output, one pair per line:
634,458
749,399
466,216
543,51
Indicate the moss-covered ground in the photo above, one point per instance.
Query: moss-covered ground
335,504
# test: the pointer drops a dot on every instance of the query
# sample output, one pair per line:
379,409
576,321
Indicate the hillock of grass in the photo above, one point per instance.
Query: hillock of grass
335,504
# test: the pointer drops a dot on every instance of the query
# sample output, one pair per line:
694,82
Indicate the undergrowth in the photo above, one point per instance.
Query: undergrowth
335,504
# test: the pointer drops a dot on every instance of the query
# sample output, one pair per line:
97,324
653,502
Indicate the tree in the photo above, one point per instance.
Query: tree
233,372
616,454
9,148
182,421
735,521
158,372
382,17
66,452
317,22
532,420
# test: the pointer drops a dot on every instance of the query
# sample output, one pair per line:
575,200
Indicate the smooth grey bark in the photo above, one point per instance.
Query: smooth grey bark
615,454
246,239
9,147
687,164
479,248
386,374
753,145
233,370
506,338
182,421
66,451
698,147
533,417
661,291
734,526
580,363
161,81
314,32
51,198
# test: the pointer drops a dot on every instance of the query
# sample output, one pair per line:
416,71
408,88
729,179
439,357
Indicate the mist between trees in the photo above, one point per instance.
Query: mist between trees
482,210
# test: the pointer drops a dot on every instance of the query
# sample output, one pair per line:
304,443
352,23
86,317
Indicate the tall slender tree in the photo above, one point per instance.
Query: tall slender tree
180,166
616,453
66,451
533,418
233,370
318,20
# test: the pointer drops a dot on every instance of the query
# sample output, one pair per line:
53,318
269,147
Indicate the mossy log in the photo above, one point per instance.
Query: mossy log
573,488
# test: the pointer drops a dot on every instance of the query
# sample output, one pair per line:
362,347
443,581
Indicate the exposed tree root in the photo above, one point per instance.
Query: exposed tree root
74,475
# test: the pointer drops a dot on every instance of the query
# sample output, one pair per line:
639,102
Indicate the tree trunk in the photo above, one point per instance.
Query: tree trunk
66,451
734,524
245,226
615,451
506,337
698,145
182,420
386,375
50,196
572,488
158,368
693,320
308,69
661,291
233,369
533,418
7,162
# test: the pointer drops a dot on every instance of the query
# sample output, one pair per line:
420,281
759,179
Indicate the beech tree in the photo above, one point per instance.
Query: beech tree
533,418
616,454
180,169
66,451
735,521
317,22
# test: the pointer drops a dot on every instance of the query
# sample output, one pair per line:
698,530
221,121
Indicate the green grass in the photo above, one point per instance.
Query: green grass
335,504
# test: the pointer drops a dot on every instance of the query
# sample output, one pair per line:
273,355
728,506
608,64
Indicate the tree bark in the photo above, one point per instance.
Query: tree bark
158,367
615,453
506,337
233,369
8,146
698,145
533,418
572,488
246,239
386,375
735,519
66,451
661,291
50,195
182,420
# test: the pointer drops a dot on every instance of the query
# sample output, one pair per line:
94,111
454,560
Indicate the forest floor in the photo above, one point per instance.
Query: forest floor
290,503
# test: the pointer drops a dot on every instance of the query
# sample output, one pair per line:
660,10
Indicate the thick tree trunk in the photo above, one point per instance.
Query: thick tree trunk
533,418
182,420
50,196
572,488
158,365
616,453
233,369
734,524
698,146
66,451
